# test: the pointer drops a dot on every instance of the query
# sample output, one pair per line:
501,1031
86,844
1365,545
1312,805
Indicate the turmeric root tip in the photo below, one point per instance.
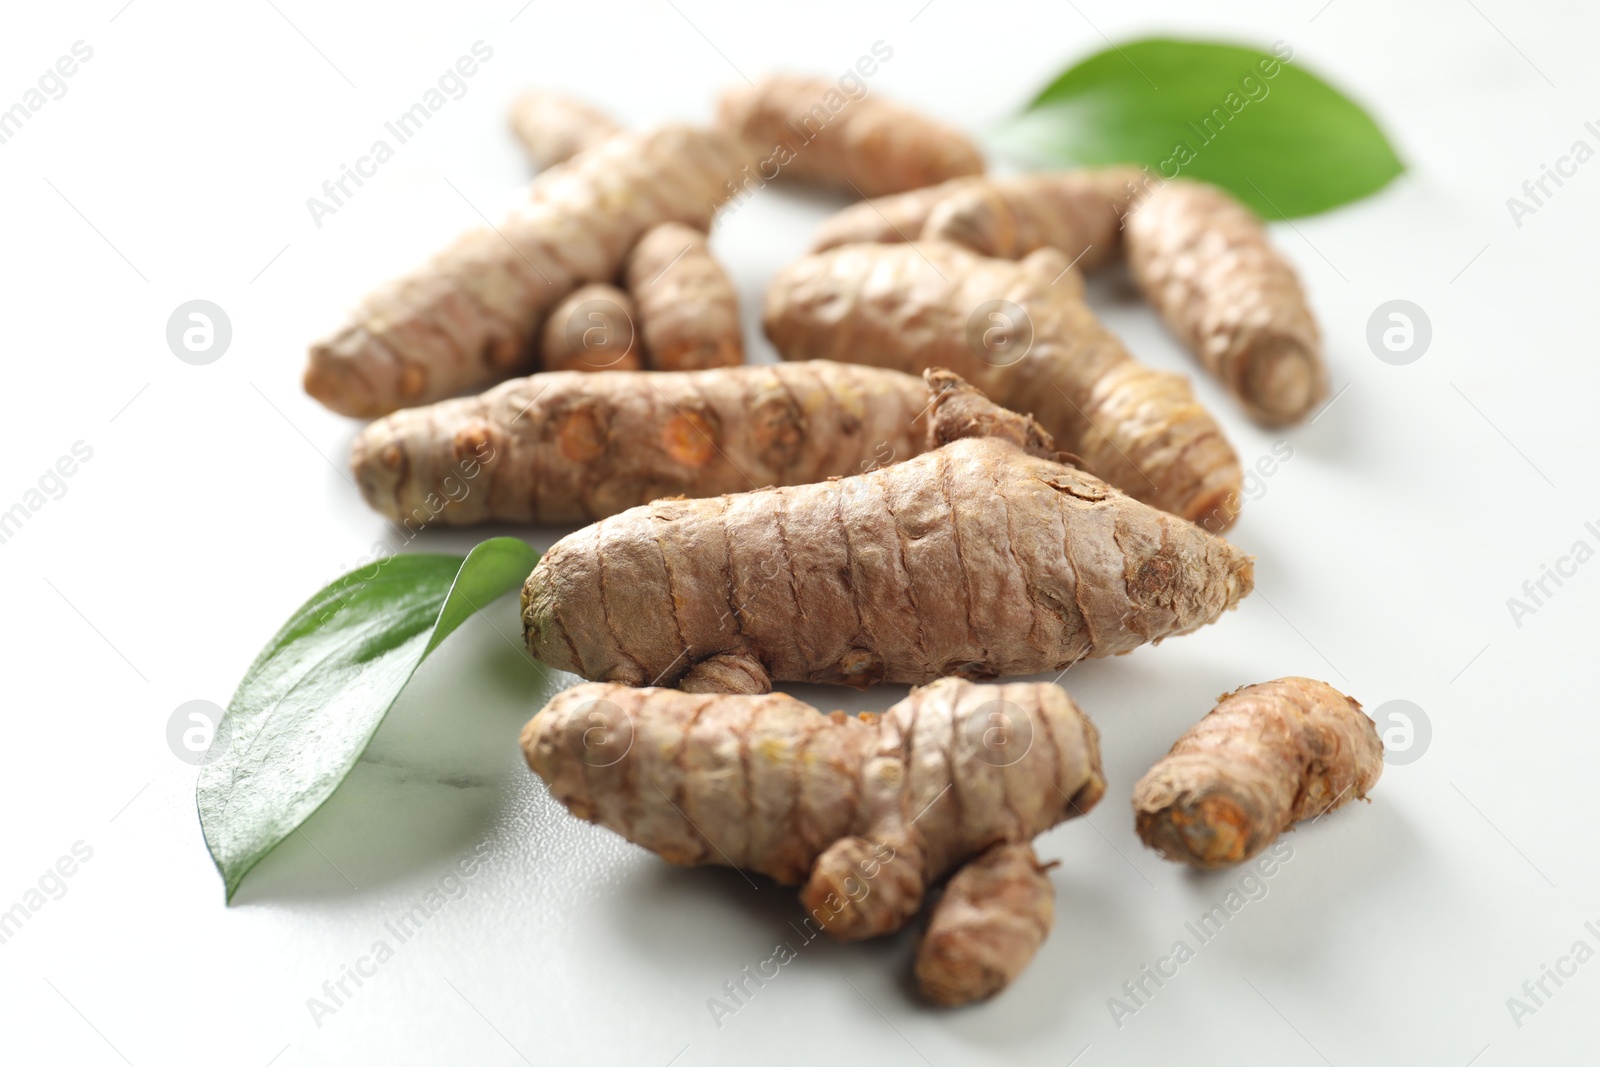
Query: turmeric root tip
1204,261
554,127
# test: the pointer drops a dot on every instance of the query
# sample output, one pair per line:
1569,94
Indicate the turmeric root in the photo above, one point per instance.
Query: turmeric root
554,127
1022,333
688,308
994,915
981,558
892,219
568,447
1076,212
1266,757
593,329
467,319
867,813
1204,261
819,134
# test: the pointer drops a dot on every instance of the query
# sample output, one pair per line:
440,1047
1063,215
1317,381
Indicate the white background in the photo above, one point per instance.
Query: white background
177,167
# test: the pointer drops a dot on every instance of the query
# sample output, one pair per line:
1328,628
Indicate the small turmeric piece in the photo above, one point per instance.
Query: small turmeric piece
1266,757
469,318
688,307
1204,261
818,134
994,915
1022,333
554,127
591,330
569,447
984,557
866,813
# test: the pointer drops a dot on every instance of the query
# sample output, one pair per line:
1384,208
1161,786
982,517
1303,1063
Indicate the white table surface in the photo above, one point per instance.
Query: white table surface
177,165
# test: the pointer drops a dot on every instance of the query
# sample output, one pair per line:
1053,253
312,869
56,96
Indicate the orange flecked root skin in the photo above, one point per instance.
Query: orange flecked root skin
1266,757
922,305
864,813
994,915
554,127
1205,262
470,316
862,144
1202,259
980,558
574,447
594,329
688,307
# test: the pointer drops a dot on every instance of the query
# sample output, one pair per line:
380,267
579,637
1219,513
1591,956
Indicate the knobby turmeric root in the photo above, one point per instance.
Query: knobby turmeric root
1204,261
593,329
866,813
1022,333
1201,258
981,558
468,318
816,133
567,447
1266,757
554,127
688,308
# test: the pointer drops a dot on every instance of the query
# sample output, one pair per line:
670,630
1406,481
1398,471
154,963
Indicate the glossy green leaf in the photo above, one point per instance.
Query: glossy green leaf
312,700
1256,123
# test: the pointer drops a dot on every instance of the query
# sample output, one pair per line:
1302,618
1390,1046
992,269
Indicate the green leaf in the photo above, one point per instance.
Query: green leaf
1286,142
312,700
